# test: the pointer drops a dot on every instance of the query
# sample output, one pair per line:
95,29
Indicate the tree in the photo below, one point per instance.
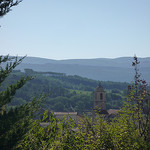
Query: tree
139,98
14,123
131,128
6,5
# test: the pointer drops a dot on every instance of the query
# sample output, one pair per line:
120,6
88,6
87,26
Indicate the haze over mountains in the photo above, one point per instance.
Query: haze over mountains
103,69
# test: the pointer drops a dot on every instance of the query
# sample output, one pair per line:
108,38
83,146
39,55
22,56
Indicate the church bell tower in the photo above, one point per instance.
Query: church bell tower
100,98
99,103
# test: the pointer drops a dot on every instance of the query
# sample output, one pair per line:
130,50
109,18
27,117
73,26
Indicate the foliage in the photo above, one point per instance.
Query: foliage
131,127
50,137
139,101
13,123
5,6
67,93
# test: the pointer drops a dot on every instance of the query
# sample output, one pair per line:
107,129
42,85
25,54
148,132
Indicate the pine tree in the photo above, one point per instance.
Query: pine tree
14,123
6,5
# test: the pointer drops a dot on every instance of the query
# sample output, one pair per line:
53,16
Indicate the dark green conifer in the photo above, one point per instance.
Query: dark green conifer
6,5
15,122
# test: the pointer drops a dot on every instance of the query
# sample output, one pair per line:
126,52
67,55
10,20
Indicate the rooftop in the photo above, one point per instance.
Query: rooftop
65,113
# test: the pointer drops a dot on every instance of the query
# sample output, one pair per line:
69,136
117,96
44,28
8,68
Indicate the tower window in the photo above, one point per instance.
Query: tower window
101,95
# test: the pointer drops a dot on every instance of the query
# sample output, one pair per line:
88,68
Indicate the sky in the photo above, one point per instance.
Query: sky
77,29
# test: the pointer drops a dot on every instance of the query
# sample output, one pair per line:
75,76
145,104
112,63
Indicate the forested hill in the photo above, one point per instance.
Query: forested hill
66,92
118,70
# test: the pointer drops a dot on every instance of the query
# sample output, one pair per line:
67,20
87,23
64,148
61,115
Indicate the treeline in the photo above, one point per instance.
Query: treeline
65,92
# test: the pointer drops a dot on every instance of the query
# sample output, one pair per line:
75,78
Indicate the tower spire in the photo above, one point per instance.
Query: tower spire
99,84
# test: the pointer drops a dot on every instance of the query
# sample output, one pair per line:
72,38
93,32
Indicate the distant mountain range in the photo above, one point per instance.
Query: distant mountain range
103,69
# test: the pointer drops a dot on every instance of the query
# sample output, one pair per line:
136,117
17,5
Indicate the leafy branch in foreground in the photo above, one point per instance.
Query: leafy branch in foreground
139,99
6,5
132,125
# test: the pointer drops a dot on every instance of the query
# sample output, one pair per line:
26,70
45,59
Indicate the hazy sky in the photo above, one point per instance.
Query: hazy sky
65,29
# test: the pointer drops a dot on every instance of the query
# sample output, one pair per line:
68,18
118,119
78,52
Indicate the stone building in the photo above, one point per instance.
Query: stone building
61,115
99,108
67,115
100,98
100,105
99,101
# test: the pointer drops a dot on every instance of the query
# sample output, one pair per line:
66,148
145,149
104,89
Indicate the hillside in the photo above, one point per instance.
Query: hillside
66,93
118,70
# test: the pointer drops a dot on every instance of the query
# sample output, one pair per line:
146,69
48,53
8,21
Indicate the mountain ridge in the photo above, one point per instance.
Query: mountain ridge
120,61
103,69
